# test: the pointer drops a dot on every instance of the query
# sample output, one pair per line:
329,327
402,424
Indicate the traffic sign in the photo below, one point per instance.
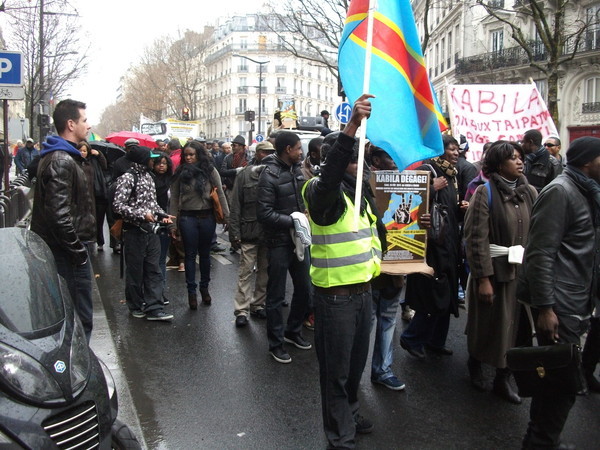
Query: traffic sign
259,138
11,68
343,112
12,93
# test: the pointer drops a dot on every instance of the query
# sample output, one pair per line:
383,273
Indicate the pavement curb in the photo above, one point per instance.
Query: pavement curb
104,347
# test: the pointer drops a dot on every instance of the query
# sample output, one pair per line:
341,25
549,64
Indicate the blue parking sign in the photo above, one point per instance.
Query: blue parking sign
343,112
11,68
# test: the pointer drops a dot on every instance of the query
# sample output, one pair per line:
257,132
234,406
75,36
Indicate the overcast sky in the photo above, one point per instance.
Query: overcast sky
119,30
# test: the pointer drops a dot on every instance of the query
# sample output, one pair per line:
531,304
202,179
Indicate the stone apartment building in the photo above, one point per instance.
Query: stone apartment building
248,69
469,46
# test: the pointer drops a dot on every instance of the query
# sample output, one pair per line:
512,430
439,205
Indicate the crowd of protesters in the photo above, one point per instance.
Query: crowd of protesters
294,213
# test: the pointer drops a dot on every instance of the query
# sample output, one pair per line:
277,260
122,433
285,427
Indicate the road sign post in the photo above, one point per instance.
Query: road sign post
343,111
11,88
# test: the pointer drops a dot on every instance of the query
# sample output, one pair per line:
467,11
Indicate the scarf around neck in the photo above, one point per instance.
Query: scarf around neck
589,187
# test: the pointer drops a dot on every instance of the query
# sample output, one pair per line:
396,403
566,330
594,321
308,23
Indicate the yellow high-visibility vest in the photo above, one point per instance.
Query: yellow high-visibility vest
338,255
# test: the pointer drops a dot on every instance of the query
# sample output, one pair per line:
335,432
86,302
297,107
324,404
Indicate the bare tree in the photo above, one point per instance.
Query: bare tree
64,57
310,29
556,41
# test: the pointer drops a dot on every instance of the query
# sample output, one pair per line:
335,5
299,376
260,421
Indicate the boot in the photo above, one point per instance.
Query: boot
476,374
205,296
193,300
592,381
503,388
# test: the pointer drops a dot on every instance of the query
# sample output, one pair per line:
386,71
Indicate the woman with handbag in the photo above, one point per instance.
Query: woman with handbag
192,204
496,229
435,298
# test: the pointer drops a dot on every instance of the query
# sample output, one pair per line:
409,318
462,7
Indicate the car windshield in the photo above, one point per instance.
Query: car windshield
30,293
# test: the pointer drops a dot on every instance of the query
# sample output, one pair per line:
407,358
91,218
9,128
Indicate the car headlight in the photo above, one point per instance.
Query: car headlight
80,358
27,376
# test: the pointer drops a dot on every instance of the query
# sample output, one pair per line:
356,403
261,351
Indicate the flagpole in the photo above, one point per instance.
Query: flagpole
363,122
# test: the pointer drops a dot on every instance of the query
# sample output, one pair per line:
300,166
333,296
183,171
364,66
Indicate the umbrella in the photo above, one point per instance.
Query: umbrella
110,150
120,137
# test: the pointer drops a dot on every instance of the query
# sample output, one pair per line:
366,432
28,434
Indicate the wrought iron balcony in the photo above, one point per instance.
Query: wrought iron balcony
242,89
593,107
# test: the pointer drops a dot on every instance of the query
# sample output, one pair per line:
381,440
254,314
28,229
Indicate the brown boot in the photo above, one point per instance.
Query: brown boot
193,300
205,296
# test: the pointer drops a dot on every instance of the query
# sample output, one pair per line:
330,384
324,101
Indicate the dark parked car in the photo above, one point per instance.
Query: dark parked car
54,392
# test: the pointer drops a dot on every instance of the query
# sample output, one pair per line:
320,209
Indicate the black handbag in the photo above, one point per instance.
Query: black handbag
439,217
547,369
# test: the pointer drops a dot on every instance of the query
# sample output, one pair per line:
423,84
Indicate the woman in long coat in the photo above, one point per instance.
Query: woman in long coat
498,215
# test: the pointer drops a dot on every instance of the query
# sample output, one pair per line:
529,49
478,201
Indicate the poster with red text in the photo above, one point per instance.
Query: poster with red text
490,112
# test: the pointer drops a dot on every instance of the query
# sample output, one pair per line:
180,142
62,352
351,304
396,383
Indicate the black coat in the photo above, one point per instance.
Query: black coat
279,195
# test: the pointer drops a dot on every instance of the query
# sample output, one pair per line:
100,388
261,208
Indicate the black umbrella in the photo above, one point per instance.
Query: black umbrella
111,151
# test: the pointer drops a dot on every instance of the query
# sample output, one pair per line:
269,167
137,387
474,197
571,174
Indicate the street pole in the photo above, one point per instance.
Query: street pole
42,92
260,72
6,154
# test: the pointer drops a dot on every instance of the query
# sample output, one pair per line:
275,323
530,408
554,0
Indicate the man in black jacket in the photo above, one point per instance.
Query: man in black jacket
279,196
62,206
561,280
540,166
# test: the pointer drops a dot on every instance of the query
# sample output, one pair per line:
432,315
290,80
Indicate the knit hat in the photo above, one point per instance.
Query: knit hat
239,139
139,154
265,146
583,150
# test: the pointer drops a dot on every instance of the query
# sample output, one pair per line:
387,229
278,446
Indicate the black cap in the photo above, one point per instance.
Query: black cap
582,151
139,154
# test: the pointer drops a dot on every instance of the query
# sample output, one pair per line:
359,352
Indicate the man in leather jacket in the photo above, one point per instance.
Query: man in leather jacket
62,207
279,196
560,273
540,166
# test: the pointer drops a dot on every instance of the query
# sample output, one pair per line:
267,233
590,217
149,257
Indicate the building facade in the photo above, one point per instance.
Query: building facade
247,68
469,46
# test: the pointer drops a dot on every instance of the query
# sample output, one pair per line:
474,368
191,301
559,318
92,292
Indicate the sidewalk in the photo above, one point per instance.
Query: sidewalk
103,346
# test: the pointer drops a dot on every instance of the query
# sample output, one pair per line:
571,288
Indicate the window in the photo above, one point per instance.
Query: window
592,90
592,34
449,49
243,43
542,86
443,53
497,43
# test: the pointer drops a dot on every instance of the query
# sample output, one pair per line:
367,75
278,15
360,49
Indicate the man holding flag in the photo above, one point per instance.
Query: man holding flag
343,262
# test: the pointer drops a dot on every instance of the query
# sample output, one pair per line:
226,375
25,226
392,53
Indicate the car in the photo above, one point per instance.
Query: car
54,392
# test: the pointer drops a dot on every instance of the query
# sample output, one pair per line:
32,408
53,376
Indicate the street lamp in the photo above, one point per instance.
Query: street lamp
260,72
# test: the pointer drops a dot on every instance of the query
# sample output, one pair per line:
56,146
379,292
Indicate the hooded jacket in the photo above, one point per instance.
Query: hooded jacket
62,207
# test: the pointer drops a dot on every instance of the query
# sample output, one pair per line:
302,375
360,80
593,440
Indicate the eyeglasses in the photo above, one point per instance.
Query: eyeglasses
547,144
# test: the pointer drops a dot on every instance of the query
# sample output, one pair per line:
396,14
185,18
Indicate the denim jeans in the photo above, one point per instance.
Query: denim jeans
196,235
342,331
79,283
143,280
384,318
281,260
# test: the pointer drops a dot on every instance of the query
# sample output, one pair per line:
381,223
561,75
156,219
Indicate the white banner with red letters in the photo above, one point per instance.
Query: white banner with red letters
490,112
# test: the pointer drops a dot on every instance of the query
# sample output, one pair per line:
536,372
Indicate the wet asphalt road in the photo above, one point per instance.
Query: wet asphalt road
200,383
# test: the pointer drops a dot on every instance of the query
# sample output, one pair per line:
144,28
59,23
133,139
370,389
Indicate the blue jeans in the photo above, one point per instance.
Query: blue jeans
384,311
79,283
282,260
342,330
196,235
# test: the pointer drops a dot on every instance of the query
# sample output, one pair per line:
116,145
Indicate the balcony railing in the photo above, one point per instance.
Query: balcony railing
242,89
280,90
516,56
242,69
280,69
240,111
593,107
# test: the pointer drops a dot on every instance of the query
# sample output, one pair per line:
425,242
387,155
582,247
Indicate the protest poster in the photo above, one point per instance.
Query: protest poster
490,112
400,197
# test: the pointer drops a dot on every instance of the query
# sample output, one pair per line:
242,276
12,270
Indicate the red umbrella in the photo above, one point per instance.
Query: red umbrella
120,137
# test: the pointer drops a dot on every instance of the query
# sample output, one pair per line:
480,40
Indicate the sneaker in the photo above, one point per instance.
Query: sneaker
408,314
298,341
172,265
309,323
138,313
280,355
259,313
241,321
159,315
392,383
100,248
363,425
217,248
181,267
